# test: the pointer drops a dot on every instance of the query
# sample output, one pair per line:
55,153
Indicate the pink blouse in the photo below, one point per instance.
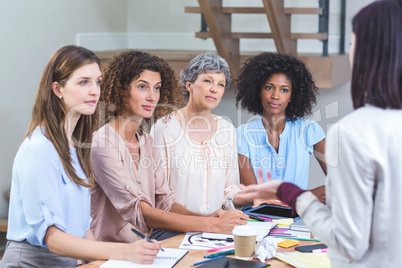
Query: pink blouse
120,186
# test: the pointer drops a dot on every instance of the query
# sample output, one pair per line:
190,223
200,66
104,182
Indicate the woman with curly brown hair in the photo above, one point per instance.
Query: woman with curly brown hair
131,189
281,90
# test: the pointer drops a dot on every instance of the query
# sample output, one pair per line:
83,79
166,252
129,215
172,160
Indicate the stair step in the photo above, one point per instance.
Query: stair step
259,10
328,72
294,36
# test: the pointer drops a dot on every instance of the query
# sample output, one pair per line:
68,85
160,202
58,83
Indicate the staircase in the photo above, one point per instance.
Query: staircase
328,70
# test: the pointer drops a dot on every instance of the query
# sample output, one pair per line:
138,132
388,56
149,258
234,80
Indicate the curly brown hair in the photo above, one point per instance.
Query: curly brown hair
121,70
258,69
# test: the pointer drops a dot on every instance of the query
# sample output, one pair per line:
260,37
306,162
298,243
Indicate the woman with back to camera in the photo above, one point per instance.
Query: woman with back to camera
198,147
131,188
363,189
52,173
280,89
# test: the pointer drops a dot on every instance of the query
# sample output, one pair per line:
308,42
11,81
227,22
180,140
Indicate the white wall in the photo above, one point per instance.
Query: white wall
30,32
35,29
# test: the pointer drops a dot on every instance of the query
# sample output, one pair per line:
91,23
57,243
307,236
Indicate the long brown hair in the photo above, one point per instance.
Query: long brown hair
377,64
49,111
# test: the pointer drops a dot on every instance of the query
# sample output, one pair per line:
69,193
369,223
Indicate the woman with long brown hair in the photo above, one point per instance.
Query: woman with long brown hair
52,174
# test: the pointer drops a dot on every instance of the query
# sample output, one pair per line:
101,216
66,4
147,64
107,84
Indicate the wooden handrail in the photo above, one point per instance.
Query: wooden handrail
219,25
260,10
293,36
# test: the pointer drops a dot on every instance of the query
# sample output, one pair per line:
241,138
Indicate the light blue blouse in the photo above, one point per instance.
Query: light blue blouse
291,163
42,195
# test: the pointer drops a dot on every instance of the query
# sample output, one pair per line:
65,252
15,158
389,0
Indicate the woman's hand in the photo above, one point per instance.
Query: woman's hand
276,202
217,213
142,251
319,192
228,220
262,191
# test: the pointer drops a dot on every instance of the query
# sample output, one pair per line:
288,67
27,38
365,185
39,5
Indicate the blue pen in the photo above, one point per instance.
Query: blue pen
201,262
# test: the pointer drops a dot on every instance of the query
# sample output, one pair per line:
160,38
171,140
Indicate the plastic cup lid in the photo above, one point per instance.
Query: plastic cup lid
244,230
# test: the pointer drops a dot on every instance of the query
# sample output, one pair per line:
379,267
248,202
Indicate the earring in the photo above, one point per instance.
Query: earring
60,97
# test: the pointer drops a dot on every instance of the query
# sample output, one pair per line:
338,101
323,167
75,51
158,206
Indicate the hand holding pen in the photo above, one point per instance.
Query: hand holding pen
232,206
143,236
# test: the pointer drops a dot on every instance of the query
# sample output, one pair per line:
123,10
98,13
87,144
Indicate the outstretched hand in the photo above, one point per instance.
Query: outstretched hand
276,202
262,191
319,192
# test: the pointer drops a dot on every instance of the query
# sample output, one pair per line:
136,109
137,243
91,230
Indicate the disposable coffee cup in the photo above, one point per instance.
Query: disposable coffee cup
244,239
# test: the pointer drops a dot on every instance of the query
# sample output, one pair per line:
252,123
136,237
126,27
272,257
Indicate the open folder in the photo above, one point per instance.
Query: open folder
166,259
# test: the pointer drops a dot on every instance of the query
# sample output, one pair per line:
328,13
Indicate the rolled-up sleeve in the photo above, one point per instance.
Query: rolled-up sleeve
118,185
39,182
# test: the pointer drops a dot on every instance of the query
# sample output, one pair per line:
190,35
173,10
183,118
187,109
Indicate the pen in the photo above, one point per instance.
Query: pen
255,217
320,250
143,236
264,218
296,238
201,262
259,218
222,253
231,203
220,248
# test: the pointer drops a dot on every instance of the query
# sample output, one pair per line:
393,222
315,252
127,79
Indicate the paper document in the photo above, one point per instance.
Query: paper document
196,241
165,259
305,260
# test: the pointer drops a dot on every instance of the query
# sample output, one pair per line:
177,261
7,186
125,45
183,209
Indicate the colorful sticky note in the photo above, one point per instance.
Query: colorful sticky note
283,222
288,243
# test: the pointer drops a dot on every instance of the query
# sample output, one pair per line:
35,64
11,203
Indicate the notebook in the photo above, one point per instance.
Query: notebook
305,260
233,263
166,259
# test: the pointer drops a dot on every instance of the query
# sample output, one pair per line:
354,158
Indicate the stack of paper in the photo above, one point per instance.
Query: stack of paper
299,226
305,260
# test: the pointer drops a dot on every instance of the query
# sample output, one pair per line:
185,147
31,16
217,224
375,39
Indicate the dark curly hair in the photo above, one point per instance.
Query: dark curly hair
258,69
121,70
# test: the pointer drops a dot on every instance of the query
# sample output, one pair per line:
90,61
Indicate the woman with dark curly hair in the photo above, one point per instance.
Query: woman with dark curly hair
281,90
364,188
131,190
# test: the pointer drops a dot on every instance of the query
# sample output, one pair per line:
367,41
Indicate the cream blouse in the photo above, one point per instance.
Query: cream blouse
203,175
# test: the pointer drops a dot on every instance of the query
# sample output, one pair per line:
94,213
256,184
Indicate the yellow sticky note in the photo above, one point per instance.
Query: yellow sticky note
288,243
284,222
